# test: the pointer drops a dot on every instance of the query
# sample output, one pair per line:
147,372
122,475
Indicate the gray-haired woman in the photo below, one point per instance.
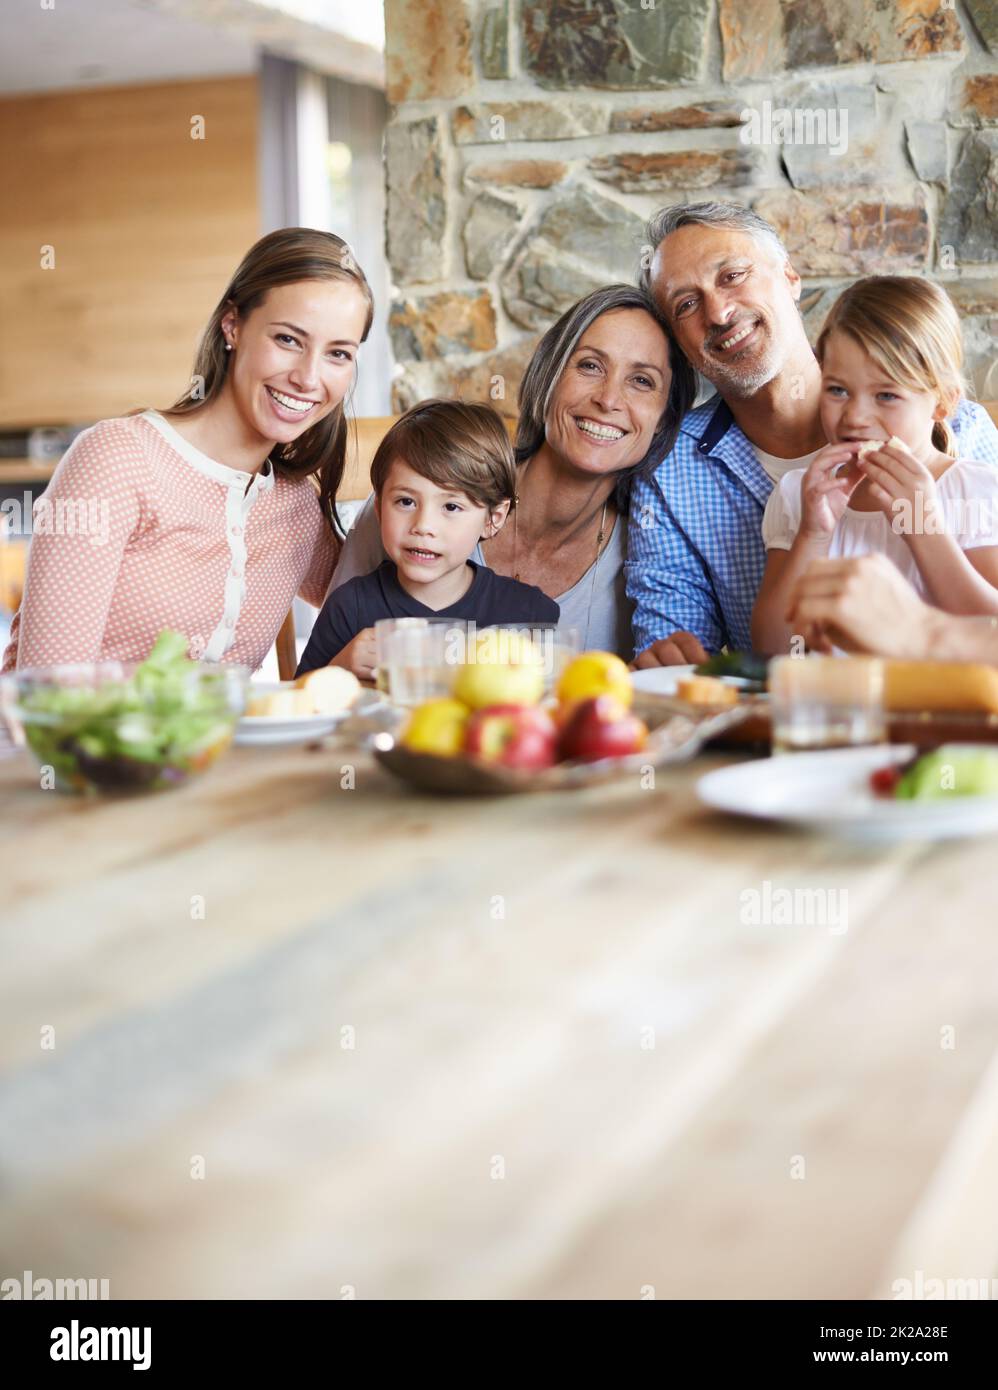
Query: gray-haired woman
600,402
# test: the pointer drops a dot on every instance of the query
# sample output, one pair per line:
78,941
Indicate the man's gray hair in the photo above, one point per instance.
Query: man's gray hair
732,216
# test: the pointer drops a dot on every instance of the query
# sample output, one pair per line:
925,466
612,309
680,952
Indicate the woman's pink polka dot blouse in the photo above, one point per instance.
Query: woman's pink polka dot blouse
139,531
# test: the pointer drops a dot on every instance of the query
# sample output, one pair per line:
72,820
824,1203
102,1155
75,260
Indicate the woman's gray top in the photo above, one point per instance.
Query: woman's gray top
600,610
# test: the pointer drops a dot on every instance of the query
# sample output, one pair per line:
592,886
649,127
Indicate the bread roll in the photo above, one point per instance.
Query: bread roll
330,689
706,690
280,704
953,687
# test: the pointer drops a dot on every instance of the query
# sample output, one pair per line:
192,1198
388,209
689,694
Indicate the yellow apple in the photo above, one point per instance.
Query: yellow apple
504,668
593,674
479,686
438,726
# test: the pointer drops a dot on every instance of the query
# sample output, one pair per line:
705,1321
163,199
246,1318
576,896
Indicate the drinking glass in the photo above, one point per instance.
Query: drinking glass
826,702
557,645
416,657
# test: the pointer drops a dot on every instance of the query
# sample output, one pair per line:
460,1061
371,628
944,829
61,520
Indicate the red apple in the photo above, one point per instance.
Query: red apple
601,728
521,736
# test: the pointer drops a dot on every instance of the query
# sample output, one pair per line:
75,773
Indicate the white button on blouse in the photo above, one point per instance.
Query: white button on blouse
239,500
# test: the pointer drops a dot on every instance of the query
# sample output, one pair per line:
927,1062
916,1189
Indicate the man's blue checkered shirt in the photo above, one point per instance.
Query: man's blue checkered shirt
695,555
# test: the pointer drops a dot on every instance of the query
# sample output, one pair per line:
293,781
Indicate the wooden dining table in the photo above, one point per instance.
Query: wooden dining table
297,1031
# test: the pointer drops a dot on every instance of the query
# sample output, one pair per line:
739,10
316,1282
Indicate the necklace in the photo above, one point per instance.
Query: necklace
600,538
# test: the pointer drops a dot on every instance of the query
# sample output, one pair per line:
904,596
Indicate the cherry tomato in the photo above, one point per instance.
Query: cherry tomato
884,780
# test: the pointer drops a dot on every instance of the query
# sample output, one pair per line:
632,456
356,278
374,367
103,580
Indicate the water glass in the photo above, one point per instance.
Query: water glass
415,657
826,702
557,645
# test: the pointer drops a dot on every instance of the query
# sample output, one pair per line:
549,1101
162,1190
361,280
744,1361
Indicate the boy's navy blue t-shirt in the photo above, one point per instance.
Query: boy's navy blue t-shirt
361,602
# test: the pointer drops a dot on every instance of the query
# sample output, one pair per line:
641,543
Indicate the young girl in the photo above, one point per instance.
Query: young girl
889,480
220,510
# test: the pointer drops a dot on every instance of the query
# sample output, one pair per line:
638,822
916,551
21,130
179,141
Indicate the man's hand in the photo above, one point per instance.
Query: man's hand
863,605
359,656
678,649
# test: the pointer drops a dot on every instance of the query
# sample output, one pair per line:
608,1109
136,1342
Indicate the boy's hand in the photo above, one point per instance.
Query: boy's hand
824,497
895,479
359,656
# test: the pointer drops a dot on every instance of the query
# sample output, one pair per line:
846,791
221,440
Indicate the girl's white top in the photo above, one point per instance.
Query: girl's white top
968,501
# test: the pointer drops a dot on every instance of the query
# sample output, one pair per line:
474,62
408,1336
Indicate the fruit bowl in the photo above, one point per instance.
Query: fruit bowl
111,727
677,731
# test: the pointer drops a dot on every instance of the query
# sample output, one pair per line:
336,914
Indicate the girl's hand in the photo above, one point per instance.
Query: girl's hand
895,479
824,497
359,656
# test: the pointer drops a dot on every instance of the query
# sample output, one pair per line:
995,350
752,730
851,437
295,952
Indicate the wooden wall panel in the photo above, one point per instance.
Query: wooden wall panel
147,226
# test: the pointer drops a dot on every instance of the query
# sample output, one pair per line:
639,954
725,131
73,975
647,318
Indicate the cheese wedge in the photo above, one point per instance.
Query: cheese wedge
940,686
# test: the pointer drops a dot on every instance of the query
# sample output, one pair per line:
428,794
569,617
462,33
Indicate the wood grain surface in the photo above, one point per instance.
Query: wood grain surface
144,226
525,1048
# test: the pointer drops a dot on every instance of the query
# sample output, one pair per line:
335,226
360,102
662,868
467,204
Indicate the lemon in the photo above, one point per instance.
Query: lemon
438,726
592,674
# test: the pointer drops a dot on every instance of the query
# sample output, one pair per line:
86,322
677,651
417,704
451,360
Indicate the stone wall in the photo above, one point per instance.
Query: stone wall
530,140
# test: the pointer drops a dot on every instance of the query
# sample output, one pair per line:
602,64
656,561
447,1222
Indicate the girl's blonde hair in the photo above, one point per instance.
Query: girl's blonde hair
911,329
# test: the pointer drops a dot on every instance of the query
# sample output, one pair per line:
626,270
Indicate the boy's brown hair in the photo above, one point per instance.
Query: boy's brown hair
459,445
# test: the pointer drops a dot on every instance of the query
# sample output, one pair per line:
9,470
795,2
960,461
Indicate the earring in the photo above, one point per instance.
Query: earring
228,347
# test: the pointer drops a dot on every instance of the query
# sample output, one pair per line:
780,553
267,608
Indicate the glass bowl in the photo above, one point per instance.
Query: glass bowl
114,727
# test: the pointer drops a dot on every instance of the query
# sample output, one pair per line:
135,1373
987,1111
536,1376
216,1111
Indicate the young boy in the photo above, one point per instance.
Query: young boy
443,478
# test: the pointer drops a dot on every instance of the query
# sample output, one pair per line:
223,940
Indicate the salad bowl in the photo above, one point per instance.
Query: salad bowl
114,727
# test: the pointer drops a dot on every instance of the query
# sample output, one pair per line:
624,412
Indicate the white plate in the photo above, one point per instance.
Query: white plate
662,680
270,730
830,791
264,729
